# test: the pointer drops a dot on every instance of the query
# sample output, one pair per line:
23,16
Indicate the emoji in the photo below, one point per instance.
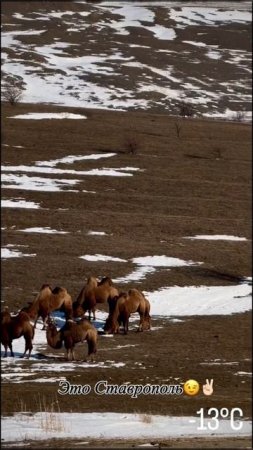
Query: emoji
191,387
208,387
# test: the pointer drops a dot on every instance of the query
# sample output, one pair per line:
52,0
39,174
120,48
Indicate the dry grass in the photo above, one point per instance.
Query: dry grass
146,418
48,414
50,418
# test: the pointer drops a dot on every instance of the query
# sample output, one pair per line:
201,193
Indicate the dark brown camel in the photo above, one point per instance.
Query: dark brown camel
70,334
13,327
122,306
92,293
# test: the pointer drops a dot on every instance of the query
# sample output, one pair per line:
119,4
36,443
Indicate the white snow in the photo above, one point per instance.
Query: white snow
197,15
19,203
200,300
162,261
96,233
137,275
35,183
163,33
217,237
72,158
68,88
7,253
109,426
40,116
241,373
116,172
149,264
43,230
99,257
12,181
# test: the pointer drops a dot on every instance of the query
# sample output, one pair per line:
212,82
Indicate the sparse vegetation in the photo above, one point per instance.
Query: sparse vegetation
178,127
50,419
131,145
186,109
49,414
146,418
12,92
240,116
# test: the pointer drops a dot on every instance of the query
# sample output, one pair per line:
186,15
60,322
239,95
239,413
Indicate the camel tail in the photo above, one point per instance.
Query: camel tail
92,341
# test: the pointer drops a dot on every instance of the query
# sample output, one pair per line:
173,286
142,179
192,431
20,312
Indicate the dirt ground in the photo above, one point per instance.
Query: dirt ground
196,184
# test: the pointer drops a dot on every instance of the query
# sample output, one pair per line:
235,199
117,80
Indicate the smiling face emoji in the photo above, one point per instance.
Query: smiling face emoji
191,387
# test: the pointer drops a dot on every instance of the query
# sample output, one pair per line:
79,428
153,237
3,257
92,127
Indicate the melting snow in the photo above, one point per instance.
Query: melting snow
35,183
111,425
217,237
67,88
43,230
72,158
96,233
200,300
7,253
40,116
101,258
19,203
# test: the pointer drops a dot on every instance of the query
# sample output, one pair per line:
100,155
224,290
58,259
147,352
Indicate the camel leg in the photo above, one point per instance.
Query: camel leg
28,348
44,318
36,320
141,322
10,345
94,315
45,323
5,352
91,358
125,326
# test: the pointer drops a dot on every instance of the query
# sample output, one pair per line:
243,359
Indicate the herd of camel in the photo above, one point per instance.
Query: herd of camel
77,327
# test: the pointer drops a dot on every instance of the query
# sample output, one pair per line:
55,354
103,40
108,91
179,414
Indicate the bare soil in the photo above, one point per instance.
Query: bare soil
196,184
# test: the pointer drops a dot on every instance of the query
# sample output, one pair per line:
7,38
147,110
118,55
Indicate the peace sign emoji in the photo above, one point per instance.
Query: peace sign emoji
208,387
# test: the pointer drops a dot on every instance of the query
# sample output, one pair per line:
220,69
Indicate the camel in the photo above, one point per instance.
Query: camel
13,327
92,293
47,301
122,306
70,334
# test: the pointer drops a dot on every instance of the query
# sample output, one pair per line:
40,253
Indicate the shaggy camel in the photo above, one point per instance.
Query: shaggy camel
92,293
70,334
122,306
13,327
47,301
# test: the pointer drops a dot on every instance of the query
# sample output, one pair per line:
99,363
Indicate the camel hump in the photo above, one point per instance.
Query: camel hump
45,286
134,291
5,311
69,324
23,316
92,281
5,315
106,280
57,290
123,294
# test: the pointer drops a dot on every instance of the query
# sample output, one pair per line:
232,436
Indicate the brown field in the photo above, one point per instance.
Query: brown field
196,184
